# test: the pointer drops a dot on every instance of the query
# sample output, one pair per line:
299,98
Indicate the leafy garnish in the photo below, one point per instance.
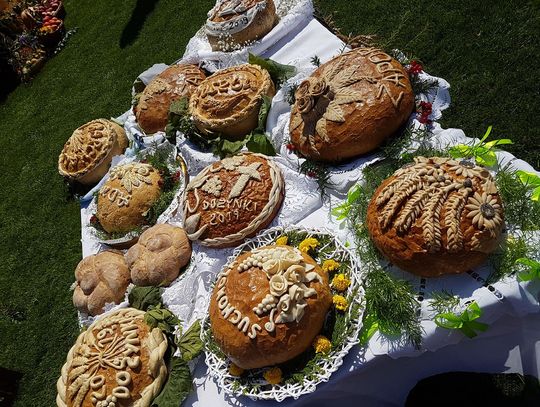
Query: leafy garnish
533,269
443,301
162,318
531,181
278,72
342,211
144,297
177,387
190,344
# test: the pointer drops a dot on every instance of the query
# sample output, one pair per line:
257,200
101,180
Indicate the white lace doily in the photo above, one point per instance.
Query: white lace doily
218,367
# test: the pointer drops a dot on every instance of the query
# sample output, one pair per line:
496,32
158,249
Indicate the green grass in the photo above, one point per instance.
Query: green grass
486,53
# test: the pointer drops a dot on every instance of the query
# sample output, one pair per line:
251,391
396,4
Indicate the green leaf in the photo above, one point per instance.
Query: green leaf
144,297
498,142
223,147
533,272
529,179
369,328
465,322
486,134
162,318
459,151
263,114
190,344
259,143
177,387
278,72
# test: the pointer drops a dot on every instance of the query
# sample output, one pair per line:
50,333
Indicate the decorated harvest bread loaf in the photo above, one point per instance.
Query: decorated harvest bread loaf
117,361
233,199
158,256
87,154
100,279
350,105
268,305
152,108
436,216
126,196
228,102
233,24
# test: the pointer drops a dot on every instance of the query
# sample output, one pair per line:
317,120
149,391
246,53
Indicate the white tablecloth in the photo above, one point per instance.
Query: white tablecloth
368,377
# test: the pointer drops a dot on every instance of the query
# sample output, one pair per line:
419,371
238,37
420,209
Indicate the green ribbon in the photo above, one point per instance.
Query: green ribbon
483,152
533,272
370,326
465,322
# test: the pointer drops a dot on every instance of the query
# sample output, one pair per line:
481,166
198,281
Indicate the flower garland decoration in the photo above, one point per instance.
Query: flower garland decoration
338,328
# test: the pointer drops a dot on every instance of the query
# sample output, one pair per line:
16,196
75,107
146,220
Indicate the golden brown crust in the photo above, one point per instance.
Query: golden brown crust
233,199
88,153
118,360
430,227
350,105
228,102
152,108
244,291
158,256
127,196
230,31
100,279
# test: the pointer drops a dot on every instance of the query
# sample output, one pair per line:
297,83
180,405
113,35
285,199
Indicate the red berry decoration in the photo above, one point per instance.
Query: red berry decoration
415,68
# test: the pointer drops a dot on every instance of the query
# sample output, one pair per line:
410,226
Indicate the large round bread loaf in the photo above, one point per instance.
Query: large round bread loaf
350,105
436,216
268,306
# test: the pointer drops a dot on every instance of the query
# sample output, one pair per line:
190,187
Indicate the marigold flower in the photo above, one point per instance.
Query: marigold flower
282,240
273,375
308,244
235,370
340,302
330,265
340,282
321,344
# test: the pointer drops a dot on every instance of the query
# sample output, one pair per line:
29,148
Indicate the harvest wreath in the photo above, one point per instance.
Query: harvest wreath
392,307
312,258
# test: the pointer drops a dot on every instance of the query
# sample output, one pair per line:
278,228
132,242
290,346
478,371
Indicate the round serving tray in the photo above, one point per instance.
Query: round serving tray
252,385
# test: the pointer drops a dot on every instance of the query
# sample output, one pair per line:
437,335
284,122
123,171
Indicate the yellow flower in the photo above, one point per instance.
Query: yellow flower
340,302
340,282
308,244
321,344
273,376
282,240
235,370
330,265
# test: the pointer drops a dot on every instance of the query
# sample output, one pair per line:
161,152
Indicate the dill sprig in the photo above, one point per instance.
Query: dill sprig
519,209
503,261
291,98
443,301
319,172
315,61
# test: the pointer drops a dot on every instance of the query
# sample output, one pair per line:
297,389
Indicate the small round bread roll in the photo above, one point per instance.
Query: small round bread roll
228,102
127,196
158,256
436,216
233,24
100,279
87,155
268,305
